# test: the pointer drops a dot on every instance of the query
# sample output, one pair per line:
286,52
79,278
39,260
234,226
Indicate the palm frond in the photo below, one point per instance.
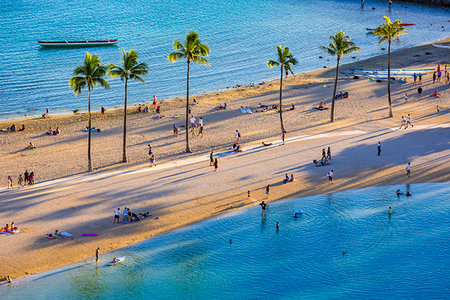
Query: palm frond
272,63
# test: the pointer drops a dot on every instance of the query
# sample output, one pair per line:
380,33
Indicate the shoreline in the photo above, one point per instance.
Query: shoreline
115,109
90,260
188,194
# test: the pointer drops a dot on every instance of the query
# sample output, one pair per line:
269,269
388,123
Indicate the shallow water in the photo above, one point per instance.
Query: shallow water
404,255
242,36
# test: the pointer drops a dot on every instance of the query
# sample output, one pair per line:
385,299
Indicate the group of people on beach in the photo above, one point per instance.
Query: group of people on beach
406,122
53,132
437,74
128,216
27,179
13,128
9,229
151,156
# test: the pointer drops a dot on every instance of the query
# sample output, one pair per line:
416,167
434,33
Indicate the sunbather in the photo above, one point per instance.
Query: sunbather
286,178
266,144
31,146
50,131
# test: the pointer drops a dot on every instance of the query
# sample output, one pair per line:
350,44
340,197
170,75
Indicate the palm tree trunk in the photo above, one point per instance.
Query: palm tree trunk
389,80
334,92
281,104
124,158
89,131
187,110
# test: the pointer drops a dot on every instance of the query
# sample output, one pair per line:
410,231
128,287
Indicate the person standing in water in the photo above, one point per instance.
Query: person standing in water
379,148
97,253
263,208
390,210
278,225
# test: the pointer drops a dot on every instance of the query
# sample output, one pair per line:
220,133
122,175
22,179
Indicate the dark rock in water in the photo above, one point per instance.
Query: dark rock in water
383,48
373,7
417,55
324,67
320,56
428,53
353,57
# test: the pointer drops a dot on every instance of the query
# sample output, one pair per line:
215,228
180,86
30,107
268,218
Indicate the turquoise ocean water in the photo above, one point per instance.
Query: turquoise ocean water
242,36
402,256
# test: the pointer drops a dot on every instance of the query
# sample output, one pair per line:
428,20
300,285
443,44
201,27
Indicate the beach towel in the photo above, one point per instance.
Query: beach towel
65,234
248,110
243,110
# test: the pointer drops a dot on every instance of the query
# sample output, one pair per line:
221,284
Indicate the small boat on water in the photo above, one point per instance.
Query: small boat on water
78,43
441,46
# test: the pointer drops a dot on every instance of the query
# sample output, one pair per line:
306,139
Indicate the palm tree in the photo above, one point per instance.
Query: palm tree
387,32
129,69
339,46
89,74
285,60
193,51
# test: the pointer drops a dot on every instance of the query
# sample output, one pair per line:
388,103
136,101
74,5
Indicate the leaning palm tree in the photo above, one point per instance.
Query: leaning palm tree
285,60
339,46
193,51
130,68
89,74
387,32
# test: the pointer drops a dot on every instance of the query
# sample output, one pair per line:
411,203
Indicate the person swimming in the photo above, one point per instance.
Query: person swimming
399,193
408,194
390,210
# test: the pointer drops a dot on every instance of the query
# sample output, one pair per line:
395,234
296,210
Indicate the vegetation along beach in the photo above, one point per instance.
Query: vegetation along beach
123,146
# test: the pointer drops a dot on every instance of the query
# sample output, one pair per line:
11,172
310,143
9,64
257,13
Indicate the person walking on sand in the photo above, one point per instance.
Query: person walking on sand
47,112
117,215
420,78
211,158
97,252
216,164
434,77
200,131
200,122
102,110
20,181
379,148
175,130
150,152
268,190
329,152
330,176
408,169
408,122
10,182
283,135
324,154
403,123
25,176
419,92
406,96
415,77
263,208
238,135
152,160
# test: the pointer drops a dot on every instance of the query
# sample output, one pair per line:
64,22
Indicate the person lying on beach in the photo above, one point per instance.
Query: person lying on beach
115,260
291,179
286,178
236,148
49,131
145,214
266,144
435,94
30,146
158,109
320,163
341,95
134,217
292,107
53,236
262,106
21,129
220,107
322,106
194,103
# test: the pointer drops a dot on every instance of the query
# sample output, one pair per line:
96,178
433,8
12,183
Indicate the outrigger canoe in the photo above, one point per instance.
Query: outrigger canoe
77,43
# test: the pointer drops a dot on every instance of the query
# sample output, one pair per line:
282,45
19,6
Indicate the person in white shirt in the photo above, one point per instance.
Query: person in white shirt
117,215
192,121
330,176
238,135
408,169
408,122
200,122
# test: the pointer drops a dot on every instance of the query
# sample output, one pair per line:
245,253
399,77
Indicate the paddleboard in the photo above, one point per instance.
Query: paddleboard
119,260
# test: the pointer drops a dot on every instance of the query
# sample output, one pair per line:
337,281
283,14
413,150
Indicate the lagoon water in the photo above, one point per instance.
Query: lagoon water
404,255
242,36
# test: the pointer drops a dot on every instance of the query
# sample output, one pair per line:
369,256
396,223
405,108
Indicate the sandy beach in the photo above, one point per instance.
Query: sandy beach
183,189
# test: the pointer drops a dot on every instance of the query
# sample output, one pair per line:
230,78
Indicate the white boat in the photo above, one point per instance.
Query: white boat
86,43
441,46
